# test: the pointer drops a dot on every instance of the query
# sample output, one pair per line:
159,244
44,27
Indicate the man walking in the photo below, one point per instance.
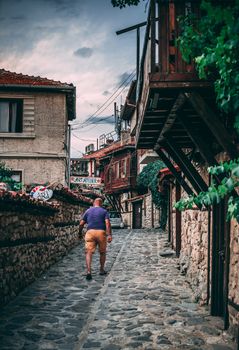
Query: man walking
98,233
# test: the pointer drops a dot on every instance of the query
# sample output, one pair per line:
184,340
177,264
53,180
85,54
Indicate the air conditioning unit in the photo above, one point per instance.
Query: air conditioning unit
90,148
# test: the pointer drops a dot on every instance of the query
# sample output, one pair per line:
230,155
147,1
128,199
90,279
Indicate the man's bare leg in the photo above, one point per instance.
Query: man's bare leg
88,258
102,262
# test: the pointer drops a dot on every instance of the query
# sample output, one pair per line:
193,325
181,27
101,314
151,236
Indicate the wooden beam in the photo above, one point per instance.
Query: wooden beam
155,117
108,197
214,124
185,165
128,29
198,139
172,115
149,131
152,35
175,173
137,52
178,220
156,113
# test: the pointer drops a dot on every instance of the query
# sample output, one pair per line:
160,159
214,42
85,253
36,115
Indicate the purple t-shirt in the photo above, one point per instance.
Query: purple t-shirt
95,218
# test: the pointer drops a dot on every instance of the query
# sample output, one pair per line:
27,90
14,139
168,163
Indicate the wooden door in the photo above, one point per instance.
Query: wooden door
178,219
220,262
137,214
170,215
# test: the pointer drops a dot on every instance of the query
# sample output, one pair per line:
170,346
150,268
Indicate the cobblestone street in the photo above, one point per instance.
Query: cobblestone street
143,303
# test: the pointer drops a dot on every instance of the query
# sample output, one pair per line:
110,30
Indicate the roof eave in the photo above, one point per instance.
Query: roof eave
70,92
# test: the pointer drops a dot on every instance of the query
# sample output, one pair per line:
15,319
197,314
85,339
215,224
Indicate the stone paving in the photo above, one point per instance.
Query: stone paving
143,303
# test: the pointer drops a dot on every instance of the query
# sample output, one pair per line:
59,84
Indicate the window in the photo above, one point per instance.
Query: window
117,170
16,175
109,175
123,168
11,112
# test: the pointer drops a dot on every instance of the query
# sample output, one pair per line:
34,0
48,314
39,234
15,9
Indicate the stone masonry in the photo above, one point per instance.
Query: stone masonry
144,303
234,278
194,250
33,239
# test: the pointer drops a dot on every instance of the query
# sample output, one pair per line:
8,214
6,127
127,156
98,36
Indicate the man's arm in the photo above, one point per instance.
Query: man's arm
82,223
108,230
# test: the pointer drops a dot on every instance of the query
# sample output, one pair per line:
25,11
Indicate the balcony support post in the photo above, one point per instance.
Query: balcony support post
184,163
176,174
152,34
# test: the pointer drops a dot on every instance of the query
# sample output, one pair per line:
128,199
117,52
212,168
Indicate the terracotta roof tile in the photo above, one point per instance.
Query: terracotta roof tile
116,146
13,78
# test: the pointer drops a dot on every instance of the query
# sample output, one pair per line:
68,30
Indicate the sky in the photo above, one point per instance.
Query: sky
74,41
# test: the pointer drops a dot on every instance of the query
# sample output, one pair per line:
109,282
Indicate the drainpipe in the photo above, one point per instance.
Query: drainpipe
69,156
209,252
152,212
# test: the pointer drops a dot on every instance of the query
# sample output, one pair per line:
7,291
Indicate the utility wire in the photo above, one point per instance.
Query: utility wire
93,122
101,119
79,138
122,84
98,111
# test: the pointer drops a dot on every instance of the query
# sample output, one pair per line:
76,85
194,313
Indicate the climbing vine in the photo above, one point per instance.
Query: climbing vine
124,3
228,186
148,180
212,42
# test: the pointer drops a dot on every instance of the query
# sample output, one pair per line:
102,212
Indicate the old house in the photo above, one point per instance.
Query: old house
34,131
120,165
177,116
143,212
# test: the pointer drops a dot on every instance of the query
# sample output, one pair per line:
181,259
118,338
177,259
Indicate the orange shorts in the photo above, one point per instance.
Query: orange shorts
94,238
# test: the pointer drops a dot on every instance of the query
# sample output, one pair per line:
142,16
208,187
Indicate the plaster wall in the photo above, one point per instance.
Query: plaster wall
40,151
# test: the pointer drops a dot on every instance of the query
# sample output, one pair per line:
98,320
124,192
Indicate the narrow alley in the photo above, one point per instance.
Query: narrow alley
143,303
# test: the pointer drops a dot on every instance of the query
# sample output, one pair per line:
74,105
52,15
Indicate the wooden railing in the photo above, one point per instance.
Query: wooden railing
161,58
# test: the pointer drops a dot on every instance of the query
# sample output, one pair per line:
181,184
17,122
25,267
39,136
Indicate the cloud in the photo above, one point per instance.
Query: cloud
36,45
84,52
18,18
106,93
110,119
124,78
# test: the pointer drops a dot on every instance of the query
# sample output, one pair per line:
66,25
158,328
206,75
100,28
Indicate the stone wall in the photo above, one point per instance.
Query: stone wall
150,214
194,251
194,255
147,212
33,239
234,279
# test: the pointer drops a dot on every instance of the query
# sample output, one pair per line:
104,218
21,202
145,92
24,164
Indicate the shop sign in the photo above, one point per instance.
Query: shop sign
90,181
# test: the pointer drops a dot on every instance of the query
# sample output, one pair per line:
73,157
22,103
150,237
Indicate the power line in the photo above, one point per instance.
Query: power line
97,111
79,138
93,122
82,126
130,78
77,150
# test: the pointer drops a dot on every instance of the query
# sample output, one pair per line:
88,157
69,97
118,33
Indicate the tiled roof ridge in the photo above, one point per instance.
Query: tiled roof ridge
25,198
74,195
110,148
100,151
26,76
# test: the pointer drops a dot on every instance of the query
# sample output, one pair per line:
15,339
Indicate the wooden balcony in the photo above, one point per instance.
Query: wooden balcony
120,173
165,78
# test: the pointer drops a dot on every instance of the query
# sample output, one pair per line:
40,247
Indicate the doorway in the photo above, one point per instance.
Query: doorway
137,214
220,262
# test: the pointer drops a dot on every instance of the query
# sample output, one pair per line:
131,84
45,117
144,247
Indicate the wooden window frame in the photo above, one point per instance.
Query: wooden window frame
19,115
